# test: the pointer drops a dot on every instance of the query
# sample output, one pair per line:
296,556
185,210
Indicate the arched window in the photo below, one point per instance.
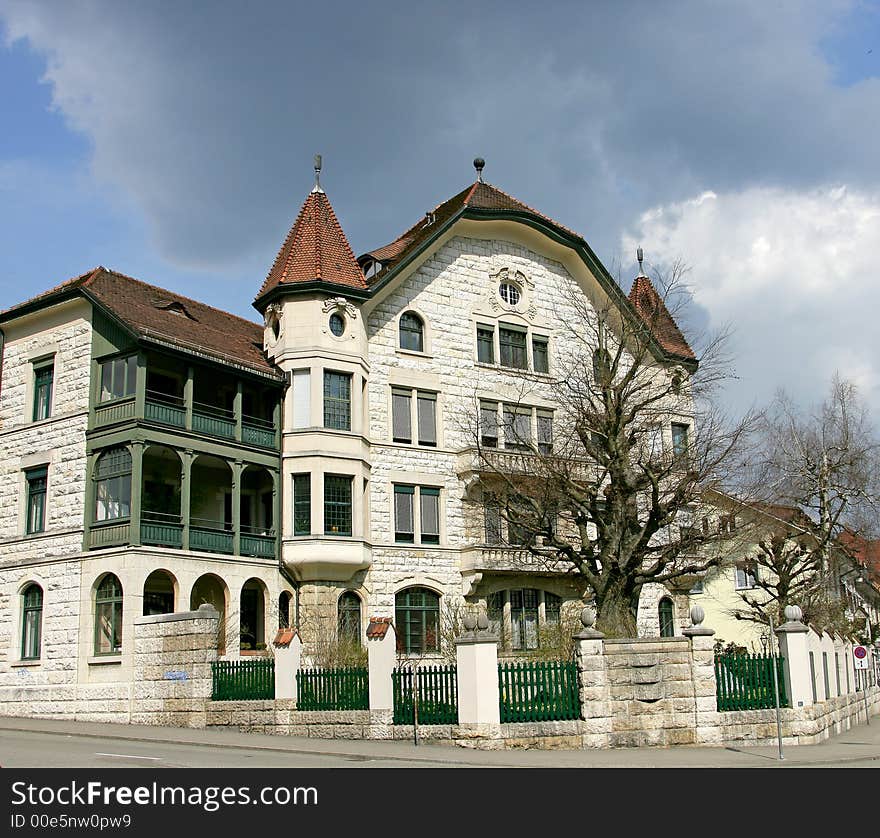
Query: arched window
417,619
349,617
108,616
667,619
113,485
284,610
412,332
31,622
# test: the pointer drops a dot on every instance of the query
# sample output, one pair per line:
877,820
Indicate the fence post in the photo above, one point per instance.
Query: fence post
381,657
288,657
792,636
476,657
593,690
703,675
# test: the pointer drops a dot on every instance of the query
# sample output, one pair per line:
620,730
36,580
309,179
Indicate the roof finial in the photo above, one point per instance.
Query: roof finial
317,187
478,165
640,256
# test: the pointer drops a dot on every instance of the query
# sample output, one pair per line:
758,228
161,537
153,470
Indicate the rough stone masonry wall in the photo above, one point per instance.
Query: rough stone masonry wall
173,654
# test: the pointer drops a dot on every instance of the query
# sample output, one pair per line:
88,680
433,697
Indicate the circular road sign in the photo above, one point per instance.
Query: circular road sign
860,652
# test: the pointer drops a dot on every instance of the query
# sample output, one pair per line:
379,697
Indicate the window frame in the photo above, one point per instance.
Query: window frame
503,619
679,450
520,331
749,571
115,602
119,478
34,476
416,492
343,480
111,363
666,619
409,314
348,604
404,614
304,503
332,404
33,633
412,398
541,339
40,369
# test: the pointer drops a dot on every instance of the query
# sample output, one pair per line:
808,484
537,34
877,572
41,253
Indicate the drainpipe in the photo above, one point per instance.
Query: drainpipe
2,344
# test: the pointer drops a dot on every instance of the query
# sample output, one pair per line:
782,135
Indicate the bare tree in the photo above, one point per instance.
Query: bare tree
614,500
820,467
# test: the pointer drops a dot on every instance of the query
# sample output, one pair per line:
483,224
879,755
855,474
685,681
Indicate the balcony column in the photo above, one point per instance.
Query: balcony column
140,386
137,471
276,510
91,461
186,494
276,422
237,405
188,399
236,507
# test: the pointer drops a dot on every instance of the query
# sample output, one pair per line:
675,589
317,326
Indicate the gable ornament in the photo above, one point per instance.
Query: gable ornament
340,304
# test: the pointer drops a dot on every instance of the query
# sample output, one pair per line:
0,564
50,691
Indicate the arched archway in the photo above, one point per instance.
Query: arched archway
159,593
212,590
252,616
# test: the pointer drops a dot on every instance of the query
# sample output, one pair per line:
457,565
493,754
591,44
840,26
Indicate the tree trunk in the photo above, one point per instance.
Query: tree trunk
616,611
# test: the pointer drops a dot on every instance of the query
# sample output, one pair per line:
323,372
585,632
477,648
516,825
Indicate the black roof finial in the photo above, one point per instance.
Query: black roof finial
479,163
640,256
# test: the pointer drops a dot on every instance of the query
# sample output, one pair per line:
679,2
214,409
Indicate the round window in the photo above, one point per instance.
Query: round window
337,324
509,293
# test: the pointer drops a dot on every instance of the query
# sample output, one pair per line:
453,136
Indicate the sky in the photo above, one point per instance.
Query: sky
174,142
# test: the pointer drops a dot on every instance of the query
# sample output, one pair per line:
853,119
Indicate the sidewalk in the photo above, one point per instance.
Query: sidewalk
858,745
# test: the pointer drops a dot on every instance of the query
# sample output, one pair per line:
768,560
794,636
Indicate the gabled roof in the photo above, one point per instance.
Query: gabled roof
315,250
651,308
477,196
485,200
159,315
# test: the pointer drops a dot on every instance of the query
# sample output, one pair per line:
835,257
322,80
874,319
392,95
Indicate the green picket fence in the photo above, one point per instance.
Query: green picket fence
340,688
538,691
243,680
437,694
745,682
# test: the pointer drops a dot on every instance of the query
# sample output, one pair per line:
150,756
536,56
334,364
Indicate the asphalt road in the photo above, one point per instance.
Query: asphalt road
34,743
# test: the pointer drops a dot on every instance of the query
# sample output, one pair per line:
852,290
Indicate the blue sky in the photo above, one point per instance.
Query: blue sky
173,142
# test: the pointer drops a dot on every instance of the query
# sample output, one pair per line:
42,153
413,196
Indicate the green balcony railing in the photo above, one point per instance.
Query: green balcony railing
210,536
257,544
116,411
165,409
109,535
258,434
161,529
213,420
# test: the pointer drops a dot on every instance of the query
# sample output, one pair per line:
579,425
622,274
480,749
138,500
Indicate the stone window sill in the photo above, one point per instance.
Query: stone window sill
33,662
102,660
414,354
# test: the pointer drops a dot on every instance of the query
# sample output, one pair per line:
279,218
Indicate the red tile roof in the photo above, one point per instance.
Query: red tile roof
155,313
651,308
284,637
315,249
378,627
478,195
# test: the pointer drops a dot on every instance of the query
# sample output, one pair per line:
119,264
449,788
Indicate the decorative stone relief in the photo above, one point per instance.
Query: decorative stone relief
340,304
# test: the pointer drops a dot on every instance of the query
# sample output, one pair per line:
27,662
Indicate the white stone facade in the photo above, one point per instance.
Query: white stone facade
452,288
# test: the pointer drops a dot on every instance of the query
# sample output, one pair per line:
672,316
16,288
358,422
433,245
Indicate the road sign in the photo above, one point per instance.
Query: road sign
860,653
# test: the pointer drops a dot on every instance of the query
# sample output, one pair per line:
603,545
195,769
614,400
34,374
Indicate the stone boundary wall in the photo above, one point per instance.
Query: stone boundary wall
172,674
803,726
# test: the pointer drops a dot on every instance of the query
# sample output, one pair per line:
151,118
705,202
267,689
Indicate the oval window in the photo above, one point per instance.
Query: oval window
509,293
337,324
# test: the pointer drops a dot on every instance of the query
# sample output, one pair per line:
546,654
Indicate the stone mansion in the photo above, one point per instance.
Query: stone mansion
157,453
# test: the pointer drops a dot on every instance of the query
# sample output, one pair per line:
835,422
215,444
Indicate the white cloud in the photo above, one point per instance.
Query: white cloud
793,271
